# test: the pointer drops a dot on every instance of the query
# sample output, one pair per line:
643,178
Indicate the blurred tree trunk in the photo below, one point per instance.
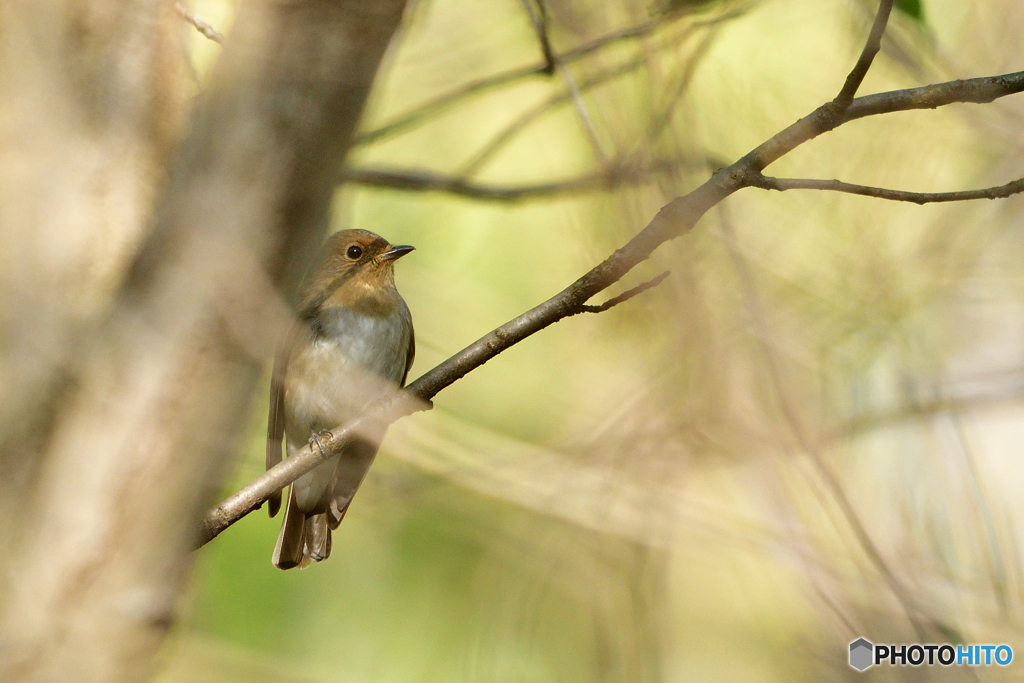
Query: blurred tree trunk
92,103
138,270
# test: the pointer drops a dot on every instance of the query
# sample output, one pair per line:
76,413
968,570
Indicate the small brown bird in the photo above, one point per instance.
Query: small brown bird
352,343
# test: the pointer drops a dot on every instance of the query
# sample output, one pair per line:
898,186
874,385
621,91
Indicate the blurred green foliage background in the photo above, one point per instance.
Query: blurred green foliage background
645,495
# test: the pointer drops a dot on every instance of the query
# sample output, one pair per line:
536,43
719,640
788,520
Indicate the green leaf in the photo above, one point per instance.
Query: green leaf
911,7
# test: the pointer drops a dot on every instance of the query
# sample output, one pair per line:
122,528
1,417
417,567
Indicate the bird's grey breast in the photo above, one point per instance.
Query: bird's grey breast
350,360
377,343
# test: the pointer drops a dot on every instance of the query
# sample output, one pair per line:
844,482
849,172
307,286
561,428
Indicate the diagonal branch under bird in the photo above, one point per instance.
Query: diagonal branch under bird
674,220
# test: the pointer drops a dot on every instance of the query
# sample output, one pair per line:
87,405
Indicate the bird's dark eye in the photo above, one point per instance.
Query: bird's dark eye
354,252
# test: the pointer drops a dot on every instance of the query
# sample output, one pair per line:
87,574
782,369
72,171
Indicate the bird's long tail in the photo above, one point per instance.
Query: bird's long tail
291,540
318,538
303,539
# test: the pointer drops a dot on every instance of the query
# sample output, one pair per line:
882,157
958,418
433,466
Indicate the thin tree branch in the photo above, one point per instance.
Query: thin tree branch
625,296
540,26
823,119
783,184
587,121
206,29
487,83
429,181
971,90
539,20
673,220
663,118
867,56
528,117
496,143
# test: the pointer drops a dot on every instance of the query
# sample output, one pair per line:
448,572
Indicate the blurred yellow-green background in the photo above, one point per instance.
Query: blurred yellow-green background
810,432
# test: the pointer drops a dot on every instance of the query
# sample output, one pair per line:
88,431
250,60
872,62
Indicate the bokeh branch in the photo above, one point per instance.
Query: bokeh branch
428,181
485,84
539,19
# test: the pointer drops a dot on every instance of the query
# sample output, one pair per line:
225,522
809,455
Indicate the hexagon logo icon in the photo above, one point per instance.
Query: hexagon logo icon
861,654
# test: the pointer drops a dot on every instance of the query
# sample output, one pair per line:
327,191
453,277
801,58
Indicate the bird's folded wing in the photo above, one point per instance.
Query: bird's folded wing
410,355
355,460
276,417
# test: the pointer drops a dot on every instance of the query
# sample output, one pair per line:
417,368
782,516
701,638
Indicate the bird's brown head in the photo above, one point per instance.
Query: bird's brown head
355,268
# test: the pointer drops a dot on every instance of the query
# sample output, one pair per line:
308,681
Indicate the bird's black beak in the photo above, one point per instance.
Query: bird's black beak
396,252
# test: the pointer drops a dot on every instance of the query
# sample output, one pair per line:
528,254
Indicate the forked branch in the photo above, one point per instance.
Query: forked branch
867,56
489,83
625,296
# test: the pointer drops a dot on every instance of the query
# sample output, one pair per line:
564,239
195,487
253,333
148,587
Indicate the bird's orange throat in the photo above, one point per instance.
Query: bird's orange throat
371,292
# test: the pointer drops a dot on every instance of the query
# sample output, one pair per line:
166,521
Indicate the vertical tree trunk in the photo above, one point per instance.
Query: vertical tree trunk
151,397
90,104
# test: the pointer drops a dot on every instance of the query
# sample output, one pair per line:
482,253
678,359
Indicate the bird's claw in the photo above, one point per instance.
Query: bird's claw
315,439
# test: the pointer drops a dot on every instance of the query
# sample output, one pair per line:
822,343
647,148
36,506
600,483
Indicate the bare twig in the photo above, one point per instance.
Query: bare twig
783,184
586,120
971,90
496,143
625,296
674,220
528,117
664,117
487,83
540,25
823,119
539,19
867,55
428,181
209,31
